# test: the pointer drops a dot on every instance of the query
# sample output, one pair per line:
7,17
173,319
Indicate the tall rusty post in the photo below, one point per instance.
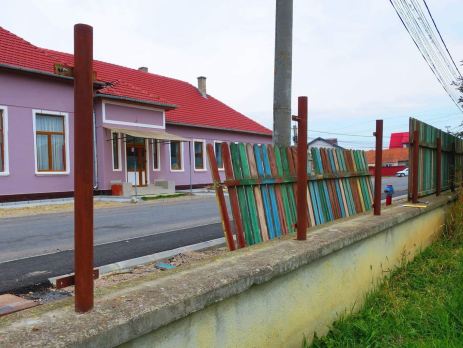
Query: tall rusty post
83,166
439,165
416,153
301,167
378,166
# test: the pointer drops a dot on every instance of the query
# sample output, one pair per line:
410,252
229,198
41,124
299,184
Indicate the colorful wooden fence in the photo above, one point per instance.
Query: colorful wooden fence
261,182
451,159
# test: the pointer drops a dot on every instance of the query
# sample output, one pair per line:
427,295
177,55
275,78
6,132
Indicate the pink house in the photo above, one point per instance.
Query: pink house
150,131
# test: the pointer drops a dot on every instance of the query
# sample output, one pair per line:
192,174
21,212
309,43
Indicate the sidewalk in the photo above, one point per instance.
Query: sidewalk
63,205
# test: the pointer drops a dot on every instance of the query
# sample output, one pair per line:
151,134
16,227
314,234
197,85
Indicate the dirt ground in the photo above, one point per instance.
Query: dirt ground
51,208
46,295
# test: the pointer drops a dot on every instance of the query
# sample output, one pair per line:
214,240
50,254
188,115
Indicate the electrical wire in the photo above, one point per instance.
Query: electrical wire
442,39
411,15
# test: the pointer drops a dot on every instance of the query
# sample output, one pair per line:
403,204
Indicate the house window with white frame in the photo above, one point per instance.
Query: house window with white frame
156,155
2,143
116,143
218,154
176,154
50,142
200,162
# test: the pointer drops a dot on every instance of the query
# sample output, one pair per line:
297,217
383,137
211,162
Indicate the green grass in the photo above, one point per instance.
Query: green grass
418,305
154,197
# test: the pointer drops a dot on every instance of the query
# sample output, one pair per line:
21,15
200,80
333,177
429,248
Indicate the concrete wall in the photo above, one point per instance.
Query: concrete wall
308,300
269,295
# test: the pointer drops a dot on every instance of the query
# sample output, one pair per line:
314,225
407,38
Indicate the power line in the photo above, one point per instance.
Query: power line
427,43
438,31
332,133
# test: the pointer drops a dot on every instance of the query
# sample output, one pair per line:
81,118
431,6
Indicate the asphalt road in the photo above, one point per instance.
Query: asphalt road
35,248
23,273
400,185
22,237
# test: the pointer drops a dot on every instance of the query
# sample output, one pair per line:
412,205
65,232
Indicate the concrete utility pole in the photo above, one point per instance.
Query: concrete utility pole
283,72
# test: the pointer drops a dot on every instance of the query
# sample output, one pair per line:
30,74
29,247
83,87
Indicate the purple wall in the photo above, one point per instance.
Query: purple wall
21,94
127,114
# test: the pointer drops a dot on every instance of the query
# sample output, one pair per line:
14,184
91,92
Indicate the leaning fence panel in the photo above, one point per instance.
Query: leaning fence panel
261,182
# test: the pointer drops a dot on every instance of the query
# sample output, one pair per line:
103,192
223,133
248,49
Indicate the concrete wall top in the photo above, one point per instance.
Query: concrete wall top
135,308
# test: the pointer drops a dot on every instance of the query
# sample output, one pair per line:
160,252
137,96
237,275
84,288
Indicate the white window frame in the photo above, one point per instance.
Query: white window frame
182,159
158,145
218,142
6,159
66,140
119,144
203,141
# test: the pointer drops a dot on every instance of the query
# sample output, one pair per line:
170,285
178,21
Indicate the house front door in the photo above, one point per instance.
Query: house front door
136,163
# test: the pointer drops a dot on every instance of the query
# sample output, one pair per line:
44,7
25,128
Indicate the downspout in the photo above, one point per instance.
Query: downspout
95,157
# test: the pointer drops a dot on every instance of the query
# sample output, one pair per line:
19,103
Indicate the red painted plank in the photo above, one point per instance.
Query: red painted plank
220,197
233,195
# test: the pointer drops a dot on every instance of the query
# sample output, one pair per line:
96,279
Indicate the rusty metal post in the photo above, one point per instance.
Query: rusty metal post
83,166
439,169
378,166
453,172
416,152
301,167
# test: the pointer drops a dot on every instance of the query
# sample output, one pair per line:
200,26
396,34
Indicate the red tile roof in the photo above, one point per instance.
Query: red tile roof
398,140
389,155
191,107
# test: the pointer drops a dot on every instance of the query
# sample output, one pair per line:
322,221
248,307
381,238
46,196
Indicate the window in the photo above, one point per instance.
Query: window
2,145
218,154
116,142
156,155
200,162
176,156
50,143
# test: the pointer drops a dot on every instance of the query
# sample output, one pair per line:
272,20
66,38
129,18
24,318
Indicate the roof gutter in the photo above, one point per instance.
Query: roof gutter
45,73
210,127
116,97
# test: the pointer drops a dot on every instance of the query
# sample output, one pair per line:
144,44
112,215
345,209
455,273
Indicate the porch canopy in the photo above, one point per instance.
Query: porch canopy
147,134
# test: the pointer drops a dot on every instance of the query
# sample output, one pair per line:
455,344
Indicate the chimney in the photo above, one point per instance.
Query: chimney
143,68
202,86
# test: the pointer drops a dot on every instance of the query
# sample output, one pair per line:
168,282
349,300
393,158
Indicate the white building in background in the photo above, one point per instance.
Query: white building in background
331,143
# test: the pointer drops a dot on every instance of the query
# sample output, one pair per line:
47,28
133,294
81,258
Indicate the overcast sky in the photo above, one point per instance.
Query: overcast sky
353,59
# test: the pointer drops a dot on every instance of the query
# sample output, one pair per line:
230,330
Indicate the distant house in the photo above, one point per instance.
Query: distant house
330,143
394,159
150,131
399,140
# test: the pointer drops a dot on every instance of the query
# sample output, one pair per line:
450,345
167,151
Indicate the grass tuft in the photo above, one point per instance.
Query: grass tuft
418,305
161,196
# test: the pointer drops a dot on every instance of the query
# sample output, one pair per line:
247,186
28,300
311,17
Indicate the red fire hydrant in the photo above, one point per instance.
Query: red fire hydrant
389,190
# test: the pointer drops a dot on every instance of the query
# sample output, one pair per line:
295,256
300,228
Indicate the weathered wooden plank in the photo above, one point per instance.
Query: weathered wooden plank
233,194
243,203
272,193
220,198
278,193
284,193
257,194
255,226
265,192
